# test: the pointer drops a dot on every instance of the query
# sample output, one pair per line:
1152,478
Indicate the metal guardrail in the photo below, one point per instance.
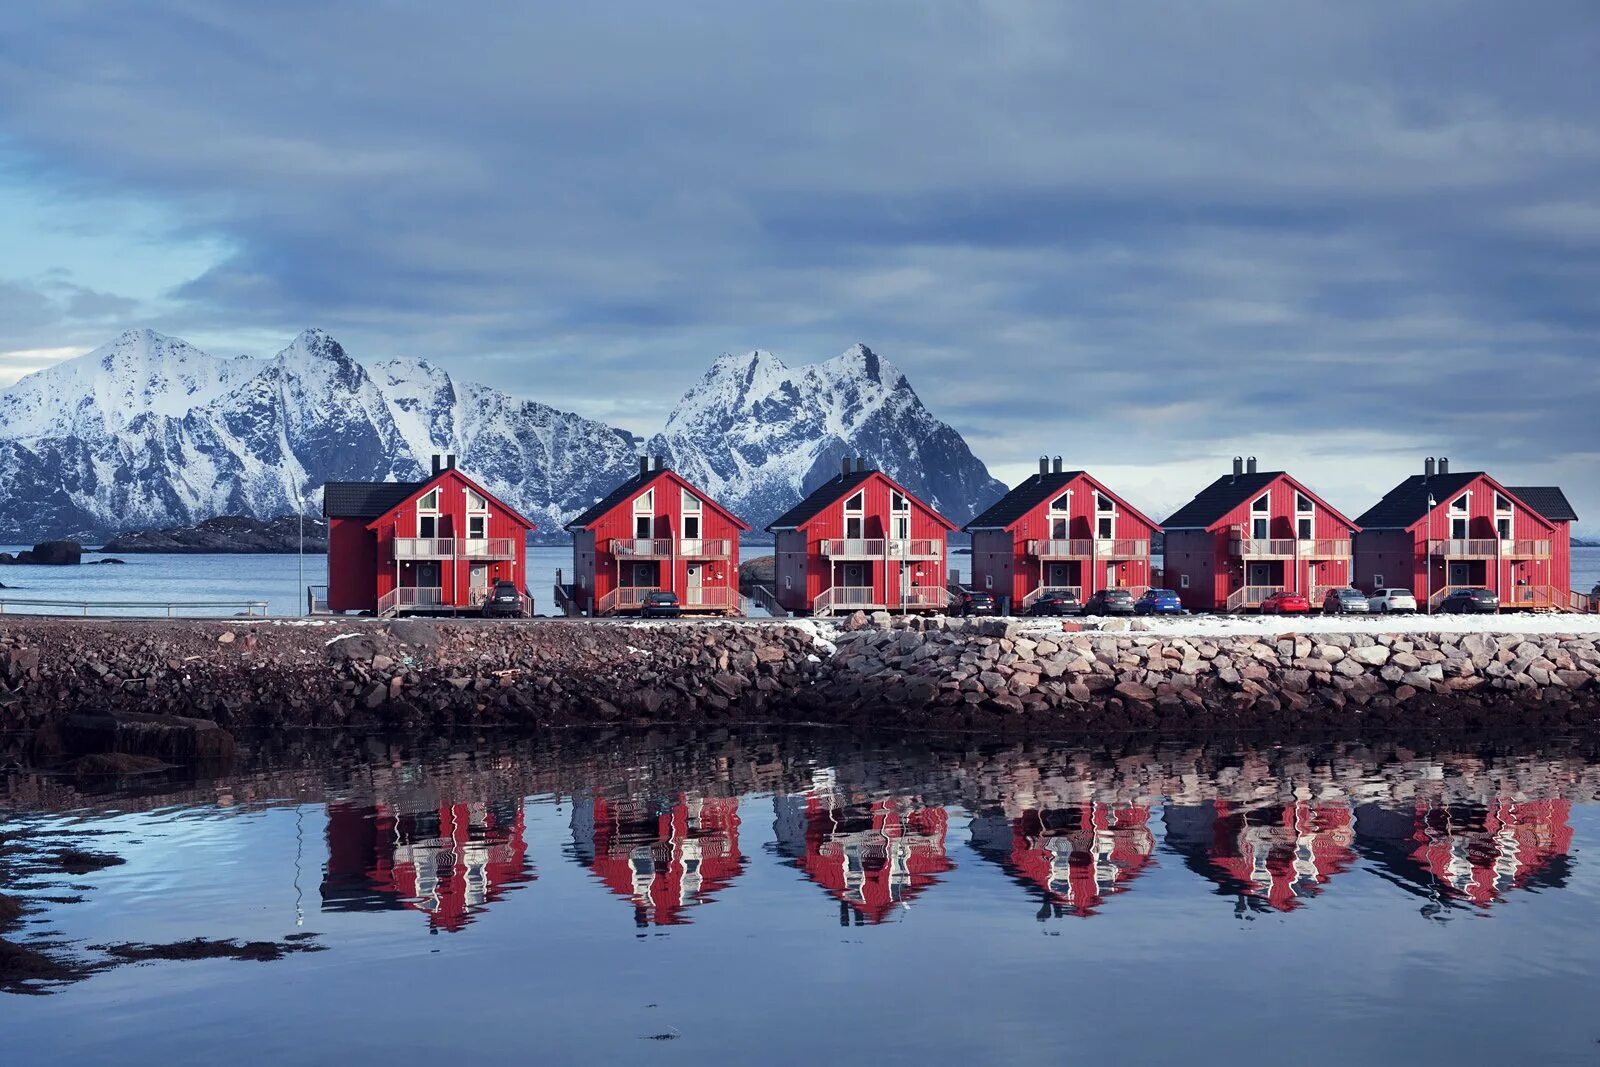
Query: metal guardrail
155,608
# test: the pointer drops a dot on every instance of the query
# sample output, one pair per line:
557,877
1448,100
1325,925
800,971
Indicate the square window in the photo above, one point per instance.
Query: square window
1183,581
1377,581
988,581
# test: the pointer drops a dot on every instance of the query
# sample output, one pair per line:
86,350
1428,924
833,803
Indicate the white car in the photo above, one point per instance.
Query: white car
1394,601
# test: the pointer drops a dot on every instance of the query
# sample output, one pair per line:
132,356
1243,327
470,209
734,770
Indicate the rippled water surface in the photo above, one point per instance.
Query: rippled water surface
815,898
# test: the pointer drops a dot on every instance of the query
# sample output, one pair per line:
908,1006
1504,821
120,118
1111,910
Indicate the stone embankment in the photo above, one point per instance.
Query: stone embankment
177,689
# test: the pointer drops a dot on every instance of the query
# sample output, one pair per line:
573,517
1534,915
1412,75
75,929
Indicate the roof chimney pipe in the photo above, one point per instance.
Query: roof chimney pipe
1044,464
844,465
1427,469
450,461
644,466
1250,465
1056,464
1238,467
861,464
1444,464
436,462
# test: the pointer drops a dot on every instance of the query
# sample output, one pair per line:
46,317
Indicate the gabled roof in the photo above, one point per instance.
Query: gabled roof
1038,489
1547,500
397,494
626,491
1229,491
1407,503
836,489
364,500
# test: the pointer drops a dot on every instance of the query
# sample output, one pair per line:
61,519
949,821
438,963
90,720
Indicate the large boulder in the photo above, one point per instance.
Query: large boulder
762,570
53,554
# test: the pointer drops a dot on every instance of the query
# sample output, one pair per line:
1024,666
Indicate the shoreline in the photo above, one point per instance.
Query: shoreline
180,689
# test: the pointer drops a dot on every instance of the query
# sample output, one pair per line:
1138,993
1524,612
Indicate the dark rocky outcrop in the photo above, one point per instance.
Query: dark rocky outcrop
227,534
47,554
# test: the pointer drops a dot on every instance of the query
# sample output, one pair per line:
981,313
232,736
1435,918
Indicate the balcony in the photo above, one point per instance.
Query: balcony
1091,548
1525,549
1263,548
487,547
1121,548
705,548
1323,548
641,547
916,548
413,548
1080,548
855,548
625,598
1465,548
412,598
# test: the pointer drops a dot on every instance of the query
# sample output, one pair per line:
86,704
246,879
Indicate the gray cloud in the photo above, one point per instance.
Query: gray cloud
1138,234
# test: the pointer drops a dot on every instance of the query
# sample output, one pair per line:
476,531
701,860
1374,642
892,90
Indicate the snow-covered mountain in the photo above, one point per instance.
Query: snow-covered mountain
759,436
149,432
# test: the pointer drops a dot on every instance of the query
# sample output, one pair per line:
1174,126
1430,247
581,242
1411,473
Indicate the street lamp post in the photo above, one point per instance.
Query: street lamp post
1427,552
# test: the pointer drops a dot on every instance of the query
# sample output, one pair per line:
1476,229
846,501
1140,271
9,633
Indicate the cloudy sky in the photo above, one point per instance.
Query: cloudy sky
1338,236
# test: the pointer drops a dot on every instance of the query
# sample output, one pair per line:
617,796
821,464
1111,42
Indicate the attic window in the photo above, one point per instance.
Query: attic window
1062,502
1262,503
645,501
429,501
1302,503
1501,503
898,502
1104,503
476,502
1460,502
856,503
691,503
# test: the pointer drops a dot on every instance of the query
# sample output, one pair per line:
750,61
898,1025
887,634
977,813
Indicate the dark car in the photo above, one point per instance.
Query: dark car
1056,602
662,604
503,600
1345,600
1285,602
1469,602
1158,602
1109,602
972,602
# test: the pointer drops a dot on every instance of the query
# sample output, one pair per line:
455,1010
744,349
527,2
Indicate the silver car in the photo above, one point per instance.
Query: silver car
1345,601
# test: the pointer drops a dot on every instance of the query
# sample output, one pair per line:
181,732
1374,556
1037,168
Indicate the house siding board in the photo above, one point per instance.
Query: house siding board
597,561
883,576
352,559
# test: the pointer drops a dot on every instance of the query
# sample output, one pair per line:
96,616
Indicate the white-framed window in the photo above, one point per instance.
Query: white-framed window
644,514
1377,581
1261,505
788,582
1183,581
1061,516
428,514
1105,517
988,581
692,512
1259,529
1305,512
1459,504
477,515
855,518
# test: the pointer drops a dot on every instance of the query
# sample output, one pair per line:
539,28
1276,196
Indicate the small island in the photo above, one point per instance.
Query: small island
227,534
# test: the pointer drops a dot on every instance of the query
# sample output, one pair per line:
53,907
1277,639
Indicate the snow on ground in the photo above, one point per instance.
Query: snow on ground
1224,625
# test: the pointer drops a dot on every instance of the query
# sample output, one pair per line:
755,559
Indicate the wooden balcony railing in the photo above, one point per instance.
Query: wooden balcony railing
705,547
914,548
1121,548
487,547
924,597
411,598
855,548
713,598
1323,548
1525,549
410,548
625,598
1061,548
641,547
1033,597
1262,548
1251,596
846,598
1465,548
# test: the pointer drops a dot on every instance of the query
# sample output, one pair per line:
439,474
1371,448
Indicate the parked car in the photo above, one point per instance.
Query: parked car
1158,602
1109,602
1346,600
662,604
503,600
1393,601
1470,601
973,602
1285,602
1056,602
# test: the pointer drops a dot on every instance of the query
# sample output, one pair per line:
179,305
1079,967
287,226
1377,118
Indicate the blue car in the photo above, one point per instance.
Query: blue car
1158,602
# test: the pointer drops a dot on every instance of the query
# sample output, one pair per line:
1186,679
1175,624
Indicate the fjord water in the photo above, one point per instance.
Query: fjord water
806,898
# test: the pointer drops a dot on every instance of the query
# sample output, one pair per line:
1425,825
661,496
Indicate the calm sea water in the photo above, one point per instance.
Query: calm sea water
802,900
275,579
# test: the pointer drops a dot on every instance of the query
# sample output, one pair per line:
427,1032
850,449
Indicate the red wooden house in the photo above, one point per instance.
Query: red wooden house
1437,531
1250,534
860,541
655,532
434,546
1060,530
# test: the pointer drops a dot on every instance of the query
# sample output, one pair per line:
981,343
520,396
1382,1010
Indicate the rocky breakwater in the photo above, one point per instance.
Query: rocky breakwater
977,673
161,688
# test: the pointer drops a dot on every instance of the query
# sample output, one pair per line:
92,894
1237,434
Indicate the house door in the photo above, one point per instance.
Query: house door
693,580
854,576
1111,576
1057,575
905,583
1258,574
478,583
1459,574
425,575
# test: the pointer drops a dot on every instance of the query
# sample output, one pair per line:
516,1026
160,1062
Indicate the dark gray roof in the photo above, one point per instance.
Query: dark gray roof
364,500
1219,498
1547,500
1023,499
825,494
597,510
1407,503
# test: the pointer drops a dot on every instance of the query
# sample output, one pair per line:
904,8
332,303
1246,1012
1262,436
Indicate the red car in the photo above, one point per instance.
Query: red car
1283,602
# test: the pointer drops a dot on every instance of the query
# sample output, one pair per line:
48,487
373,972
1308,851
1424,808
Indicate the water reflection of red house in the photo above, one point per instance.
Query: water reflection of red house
449,862
662,860
1276,855
1073,857
874,858
1474,853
